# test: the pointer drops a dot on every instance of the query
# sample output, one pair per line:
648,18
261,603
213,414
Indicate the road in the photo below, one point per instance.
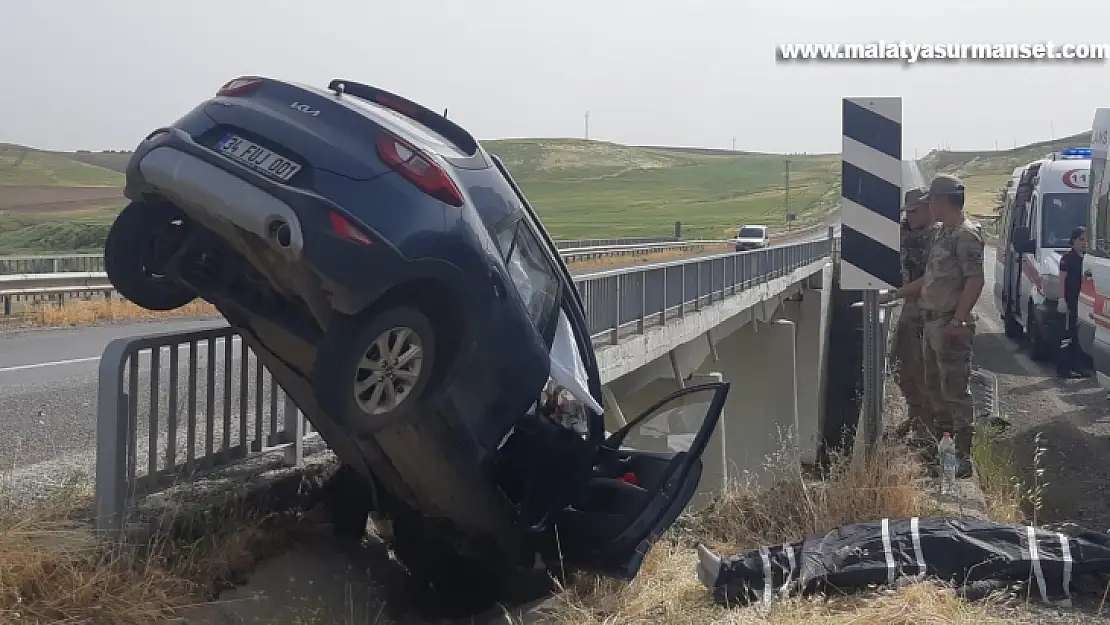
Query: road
48,390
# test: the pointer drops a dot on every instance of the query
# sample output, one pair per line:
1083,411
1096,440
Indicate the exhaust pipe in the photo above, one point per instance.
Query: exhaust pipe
281,233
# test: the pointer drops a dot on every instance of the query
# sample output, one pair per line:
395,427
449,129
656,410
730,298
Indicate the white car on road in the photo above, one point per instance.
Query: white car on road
752,237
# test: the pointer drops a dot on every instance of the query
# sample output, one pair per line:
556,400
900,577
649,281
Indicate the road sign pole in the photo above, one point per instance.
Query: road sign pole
871,198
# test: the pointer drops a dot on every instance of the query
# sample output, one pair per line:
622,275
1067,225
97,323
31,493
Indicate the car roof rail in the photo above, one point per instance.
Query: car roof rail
444,127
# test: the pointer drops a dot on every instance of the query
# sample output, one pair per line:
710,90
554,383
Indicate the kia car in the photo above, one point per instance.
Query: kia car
393,277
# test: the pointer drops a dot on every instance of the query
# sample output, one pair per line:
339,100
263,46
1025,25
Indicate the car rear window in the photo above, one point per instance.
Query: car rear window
750,233
491,195
423,136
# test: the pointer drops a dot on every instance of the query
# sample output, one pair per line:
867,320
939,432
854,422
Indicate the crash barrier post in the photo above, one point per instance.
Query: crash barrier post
871,199
622,302
173,404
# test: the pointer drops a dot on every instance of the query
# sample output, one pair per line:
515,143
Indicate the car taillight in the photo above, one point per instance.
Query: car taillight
418,169
347,230
240,86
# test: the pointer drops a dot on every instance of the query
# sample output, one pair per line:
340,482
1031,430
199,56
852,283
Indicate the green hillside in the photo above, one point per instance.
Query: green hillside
985,172
590,188
20,166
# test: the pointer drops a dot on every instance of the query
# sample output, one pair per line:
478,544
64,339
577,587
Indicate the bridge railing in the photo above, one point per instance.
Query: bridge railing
621,300
175,404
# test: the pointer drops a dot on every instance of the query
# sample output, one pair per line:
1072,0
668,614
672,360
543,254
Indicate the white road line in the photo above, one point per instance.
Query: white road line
74,361
54,363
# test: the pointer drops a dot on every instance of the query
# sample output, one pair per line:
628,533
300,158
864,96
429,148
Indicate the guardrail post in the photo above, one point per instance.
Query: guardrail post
663,305
642,326
112,434
616,336
293,432
7,305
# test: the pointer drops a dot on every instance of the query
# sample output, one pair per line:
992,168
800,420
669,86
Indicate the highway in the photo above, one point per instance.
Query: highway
48,389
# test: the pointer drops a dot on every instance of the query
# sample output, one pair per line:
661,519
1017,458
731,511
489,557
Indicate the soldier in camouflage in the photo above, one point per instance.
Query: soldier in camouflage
948,292
918,228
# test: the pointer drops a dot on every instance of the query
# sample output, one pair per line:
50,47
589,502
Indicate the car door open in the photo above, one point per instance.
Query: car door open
643,477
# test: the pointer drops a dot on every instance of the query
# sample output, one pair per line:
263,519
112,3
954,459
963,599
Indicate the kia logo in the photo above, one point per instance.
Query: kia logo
1076,178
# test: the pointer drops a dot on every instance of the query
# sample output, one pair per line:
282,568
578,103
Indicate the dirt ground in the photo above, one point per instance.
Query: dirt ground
27,199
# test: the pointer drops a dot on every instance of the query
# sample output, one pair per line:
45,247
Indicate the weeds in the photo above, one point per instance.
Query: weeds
54,568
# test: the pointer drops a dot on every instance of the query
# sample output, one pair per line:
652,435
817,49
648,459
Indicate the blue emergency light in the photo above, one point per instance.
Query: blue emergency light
1077,153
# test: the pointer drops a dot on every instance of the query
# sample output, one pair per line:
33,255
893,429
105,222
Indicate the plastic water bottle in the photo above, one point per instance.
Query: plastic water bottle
946,457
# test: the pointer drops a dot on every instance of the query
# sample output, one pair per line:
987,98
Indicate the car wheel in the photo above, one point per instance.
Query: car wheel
377,367
138,246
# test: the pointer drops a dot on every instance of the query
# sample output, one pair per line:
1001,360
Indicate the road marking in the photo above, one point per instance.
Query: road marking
53,363
74,361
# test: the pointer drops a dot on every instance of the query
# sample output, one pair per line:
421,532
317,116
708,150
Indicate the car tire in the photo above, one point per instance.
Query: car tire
352,349
141,232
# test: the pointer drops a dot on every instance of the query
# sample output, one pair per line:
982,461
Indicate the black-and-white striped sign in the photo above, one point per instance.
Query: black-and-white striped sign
871,194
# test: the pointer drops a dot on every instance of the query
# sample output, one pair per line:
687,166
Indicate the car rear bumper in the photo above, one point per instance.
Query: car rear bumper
198,186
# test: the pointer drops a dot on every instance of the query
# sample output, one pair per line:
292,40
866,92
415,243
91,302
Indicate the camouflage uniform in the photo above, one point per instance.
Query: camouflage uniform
956,255
910,370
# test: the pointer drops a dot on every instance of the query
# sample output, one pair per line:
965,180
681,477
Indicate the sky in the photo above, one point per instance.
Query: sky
100,74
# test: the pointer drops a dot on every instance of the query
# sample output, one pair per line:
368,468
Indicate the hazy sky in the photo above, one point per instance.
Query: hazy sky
100,74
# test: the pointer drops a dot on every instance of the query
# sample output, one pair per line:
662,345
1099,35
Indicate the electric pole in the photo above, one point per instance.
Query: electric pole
786,207
587,124
734,144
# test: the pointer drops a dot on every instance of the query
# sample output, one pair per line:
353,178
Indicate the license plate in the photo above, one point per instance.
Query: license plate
257,157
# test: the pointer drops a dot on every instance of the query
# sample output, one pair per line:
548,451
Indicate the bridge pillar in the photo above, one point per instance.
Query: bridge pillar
761,410
812,319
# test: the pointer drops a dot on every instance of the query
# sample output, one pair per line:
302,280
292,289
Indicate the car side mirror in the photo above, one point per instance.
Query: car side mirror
1023,242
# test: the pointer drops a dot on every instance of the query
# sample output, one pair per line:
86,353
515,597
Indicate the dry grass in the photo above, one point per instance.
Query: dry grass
84,312
54,569
667,591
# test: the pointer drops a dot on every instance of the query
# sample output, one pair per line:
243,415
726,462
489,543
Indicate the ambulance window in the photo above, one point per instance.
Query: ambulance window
1099,209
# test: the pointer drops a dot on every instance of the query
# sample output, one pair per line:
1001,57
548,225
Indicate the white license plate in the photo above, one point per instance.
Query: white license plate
258,158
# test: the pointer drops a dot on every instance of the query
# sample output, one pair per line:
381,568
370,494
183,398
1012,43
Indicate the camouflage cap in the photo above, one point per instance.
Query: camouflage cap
944,185
913,199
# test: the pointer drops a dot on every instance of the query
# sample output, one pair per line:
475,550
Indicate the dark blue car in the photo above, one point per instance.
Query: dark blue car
394,278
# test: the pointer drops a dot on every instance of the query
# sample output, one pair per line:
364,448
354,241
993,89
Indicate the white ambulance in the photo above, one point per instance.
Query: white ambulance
1050,200
1094,298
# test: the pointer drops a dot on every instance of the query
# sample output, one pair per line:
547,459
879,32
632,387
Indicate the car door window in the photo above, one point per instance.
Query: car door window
670,427
531,273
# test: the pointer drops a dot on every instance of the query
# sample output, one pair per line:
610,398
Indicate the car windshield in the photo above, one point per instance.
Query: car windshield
750,233
1060,214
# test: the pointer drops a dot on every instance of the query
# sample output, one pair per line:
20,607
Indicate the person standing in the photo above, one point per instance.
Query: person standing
1069,356
947,293
918,228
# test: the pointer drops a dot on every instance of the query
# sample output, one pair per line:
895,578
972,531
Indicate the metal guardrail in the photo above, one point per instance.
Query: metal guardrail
619,299
22,286
204,402
57,263
171,405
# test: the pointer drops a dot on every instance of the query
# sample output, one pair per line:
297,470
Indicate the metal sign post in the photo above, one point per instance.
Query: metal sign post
871,198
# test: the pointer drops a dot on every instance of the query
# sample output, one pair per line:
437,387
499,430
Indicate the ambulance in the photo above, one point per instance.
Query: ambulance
1094,298
1050,200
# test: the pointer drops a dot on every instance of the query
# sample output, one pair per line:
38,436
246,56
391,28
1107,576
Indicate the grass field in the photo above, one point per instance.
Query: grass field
64,202
985,173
